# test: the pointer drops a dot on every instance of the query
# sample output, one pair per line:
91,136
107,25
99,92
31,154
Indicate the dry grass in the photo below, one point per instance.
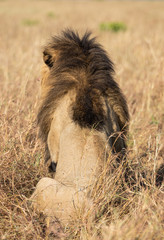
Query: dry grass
122,212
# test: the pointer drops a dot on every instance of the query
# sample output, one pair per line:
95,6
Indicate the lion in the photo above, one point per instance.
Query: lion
83,118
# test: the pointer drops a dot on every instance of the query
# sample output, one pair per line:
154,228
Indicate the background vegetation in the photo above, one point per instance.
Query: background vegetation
121,212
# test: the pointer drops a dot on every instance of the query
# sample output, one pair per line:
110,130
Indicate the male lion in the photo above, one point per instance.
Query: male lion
82,118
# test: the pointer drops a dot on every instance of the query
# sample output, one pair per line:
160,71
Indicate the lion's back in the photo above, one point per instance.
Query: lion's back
82,152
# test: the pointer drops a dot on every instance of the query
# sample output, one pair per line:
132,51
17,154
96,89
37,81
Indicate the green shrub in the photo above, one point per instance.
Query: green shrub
113,26
51,15
30,22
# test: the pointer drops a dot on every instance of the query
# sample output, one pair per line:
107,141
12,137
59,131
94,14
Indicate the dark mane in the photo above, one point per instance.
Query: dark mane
81,64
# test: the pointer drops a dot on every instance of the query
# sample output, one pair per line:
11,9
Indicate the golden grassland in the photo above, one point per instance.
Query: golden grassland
121,213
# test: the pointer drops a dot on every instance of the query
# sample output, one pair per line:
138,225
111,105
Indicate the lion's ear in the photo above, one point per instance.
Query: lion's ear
47,57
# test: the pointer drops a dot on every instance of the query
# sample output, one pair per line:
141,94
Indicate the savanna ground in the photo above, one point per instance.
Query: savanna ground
121,212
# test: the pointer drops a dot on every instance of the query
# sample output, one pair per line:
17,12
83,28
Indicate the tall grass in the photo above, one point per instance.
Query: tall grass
118,210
